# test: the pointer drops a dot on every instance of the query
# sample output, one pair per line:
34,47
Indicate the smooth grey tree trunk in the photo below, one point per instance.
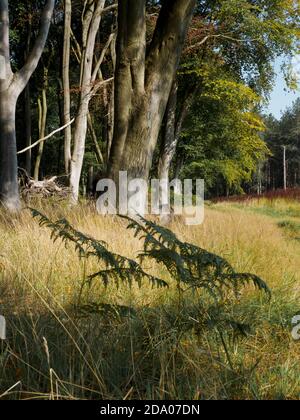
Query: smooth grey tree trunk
284,169
43,111
9,189
98,152
27,97
143,81
88,87
11,86
80,132
66,83
28,129
169,136
175,117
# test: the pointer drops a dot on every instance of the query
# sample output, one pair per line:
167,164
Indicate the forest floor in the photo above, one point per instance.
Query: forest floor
51,352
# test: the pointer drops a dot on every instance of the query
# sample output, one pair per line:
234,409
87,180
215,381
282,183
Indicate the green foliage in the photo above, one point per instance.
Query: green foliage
247,36
231,74
255,33
222,139
226,72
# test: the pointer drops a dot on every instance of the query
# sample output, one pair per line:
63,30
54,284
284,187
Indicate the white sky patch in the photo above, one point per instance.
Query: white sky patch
296,66
2,67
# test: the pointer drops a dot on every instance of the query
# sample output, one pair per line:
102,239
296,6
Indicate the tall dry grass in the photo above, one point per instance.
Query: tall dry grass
53,353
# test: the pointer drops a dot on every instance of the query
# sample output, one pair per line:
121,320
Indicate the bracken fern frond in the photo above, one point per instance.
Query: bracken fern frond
118,269
189,265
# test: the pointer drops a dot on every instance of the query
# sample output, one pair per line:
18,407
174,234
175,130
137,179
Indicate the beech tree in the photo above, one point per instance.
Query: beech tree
233,35
11,86
66,81
91,81
112,90
173,128
143,80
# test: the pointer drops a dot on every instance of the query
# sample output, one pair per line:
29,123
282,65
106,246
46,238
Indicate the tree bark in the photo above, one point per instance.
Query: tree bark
284,169
43,111
168,144
171,136
111,105
9,189
11,86
28,124
66,83
98,152
88,87
28,129
60,103
143,81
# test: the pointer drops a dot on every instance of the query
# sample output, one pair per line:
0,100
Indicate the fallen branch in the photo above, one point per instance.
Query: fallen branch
45,189
47,137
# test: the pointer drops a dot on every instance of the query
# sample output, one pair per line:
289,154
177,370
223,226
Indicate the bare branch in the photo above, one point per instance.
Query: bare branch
102,56
94,137
224,36
47,137
22,76
99,84
110,8
76,48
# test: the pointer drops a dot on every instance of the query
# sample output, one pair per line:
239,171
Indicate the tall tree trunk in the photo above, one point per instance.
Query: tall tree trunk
88,87
60,103
80,131
9,189
111,105
11,86
43,110
284,169
171,135
168,143
98,152
143,81
66,83
28,124
28,129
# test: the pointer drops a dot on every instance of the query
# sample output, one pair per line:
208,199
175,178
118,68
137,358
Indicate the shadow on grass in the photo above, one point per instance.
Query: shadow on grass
146,353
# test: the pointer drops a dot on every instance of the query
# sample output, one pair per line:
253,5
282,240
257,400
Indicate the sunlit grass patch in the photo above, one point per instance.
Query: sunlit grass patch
54,352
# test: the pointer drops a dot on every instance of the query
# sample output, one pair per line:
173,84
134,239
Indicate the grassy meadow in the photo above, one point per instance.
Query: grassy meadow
54,352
